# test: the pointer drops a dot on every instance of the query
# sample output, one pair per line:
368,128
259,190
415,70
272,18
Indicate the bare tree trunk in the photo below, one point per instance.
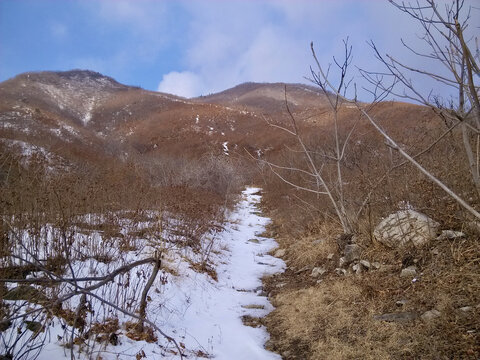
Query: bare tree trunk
143,299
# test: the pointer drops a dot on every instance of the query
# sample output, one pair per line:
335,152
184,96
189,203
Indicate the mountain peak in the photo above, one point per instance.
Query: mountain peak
79,77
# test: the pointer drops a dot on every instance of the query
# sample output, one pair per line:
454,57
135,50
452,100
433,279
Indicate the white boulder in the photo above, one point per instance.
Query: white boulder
405,227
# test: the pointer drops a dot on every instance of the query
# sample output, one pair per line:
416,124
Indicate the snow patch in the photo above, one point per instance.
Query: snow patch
87,116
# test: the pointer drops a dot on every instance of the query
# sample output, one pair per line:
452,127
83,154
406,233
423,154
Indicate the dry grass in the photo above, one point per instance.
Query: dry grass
330,321
311,250
334,318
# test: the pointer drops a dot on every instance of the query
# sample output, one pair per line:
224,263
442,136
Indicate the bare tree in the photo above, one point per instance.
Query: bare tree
319,180
447,50
445,36
457,57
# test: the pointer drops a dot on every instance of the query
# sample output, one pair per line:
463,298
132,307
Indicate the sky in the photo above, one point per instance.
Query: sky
197,47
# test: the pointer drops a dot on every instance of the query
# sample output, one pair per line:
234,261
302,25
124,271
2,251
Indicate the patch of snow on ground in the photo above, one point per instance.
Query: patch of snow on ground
70,130
225,147
26,149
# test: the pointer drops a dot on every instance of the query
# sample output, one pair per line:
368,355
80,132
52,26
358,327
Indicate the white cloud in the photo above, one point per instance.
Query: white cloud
186,84
234,42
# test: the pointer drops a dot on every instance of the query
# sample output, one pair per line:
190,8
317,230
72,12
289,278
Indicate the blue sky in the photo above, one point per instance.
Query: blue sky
195,47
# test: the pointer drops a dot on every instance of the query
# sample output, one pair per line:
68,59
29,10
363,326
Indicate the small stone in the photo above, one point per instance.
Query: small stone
357,268
401,303
280,253
430,315
365,264
410,271
317,242
318,271
280,285
466,308
352,252
330,256
255,241
376,265
450,235
340,271
341,262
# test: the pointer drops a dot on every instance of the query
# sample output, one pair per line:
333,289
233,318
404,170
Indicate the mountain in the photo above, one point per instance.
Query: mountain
268,97
81,116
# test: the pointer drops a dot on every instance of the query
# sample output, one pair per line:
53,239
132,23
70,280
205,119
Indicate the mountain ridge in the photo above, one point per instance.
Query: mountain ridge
82,114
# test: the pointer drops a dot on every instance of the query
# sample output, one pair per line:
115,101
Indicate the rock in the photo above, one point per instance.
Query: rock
376,265
404,227
280,253
255,241
397,317
280,285
357,268
466,308
342,262
430,315
450,235
401,303
365,264
410,271
340,271
318,271
352,252
330,256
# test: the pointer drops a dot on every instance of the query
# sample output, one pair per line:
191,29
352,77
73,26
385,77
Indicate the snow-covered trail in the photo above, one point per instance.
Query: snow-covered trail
214,319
